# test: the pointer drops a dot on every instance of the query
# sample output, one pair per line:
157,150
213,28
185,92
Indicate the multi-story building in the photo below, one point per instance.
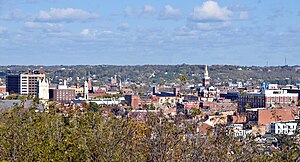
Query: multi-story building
29,81
25,83
62,95
267,98
133,101
13,83
288,128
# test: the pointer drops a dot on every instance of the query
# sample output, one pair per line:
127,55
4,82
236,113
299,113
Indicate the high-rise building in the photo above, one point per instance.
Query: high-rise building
25,83
267,98
29,81
206,78
13,83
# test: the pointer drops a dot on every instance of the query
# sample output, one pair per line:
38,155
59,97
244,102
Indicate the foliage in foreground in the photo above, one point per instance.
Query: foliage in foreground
29,136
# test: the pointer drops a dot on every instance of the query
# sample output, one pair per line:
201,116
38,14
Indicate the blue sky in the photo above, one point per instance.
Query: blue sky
68,32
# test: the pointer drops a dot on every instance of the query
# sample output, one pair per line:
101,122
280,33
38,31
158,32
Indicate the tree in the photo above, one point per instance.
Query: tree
91,136
94,106
195,111
183,79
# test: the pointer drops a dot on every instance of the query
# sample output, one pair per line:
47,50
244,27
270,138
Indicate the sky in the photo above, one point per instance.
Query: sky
136,32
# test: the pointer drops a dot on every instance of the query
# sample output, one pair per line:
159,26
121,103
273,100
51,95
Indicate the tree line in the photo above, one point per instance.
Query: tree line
85,135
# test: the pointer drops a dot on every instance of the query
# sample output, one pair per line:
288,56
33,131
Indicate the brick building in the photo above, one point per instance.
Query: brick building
267,98
62,95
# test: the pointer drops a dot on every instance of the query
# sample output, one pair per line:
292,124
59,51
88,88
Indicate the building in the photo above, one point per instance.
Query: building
294,91
237,130
250,100
62,86
267,98
206,78
276,115
233,96
86,90
288,128
280,98
43,89
29,81
133,101
209,93
25,83
62,95
13,83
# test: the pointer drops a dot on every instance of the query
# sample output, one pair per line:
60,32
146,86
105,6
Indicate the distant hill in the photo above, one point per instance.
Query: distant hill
168,73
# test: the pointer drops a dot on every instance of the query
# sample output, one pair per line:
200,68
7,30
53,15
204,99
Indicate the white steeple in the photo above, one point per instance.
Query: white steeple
43,89
206,72
86,90
206,78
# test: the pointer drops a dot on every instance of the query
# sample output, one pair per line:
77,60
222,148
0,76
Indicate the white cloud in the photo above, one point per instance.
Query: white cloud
211,11
148,10
89,33
124,27
170,13
65,15
43,26
208,26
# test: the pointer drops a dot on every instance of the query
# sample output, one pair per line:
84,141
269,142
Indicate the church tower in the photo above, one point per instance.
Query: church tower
43,89
86,90
206,78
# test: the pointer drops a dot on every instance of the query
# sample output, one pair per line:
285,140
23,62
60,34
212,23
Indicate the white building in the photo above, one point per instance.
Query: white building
237,130
43,89
284,128
62,86
102,101
29,81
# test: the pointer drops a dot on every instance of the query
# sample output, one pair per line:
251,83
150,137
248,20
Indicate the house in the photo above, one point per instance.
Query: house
237,130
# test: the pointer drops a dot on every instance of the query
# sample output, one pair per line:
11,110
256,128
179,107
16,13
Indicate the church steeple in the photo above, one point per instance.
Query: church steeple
206,72
206,78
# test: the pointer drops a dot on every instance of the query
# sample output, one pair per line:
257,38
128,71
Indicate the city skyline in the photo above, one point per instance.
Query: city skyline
54,32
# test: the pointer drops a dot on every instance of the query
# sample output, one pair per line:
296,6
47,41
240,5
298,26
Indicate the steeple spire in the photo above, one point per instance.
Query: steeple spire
206,78
206,72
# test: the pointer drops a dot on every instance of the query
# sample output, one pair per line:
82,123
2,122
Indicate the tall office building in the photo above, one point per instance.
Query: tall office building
13,83
25,83
29,81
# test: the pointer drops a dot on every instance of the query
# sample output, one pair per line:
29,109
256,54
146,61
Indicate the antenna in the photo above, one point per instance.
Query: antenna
285,60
